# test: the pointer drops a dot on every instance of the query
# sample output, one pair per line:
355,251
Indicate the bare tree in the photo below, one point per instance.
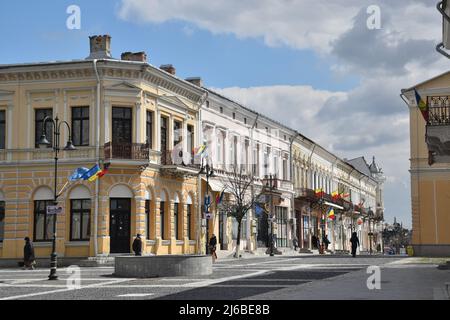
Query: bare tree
240,201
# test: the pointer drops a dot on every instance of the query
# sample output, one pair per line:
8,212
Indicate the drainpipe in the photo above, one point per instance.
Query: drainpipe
199,178
97,156
309,211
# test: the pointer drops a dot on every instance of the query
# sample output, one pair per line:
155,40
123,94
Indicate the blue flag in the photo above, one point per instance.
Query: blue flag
258,210
91,172
78,174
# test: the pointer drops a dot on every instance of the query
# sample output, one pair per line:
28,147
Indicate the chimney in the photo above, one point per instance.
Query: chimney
168,68
100,47
196,81
134,56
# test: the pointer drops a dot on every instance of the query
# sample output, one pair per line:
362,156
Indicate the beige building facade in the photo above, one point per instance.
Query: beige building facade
430,171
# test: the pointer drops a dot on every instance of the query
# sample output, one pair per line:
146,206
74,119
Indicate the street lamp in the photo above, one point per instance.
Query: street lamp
270,185
209,172
44,143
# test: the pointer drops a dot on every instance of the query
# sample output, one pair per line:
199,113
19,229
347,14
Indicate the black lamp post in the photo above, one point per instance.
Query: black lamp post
43,142
208,171
270,185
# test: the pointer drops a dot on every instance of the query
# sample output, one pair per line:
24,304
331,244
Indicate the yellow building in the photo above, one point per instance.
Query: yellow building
121,111
430,159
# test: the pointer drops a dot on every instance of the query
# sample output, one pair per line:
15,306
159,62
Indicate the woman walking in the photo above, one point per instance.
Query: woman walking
355,243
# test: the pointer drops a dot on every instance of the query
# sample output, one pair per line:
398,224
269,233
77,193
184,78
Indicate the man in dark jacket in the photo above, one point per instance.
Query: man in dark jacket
213,246
137,245
28,255
325,242
355,243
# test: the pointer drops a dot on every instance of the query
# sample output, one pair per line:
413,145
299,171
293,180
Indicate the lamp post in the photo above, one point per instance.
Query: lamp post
271,187
209,172
43,142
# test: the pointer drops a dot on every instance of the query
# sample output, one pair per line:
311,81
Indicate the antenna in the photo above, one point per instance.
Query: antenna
444,8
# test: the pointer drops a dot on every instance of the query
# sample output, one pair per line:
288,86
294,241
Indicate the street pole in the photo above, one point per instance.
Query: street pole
271,217
56,148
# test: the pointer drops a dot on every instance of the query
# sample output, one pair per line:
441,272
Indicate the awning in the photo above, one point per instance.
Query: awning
334,205
216,185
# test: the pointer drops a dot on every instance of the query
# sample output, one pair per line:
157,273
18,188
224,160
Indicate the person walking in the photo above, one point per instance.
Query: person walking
137,245
28,255
212,247
295,243
326,242
314,241
355,243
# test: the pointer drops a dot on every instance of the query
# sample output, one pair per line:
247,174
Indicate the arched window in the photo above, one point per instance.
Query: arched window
2,216
176,217
189,217
162,215
149,231
80,214
43,223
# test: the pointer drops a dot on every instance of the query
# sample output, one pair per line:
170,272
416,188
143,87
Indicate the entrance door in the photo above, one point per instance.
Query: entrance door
119,226
263,231
121,132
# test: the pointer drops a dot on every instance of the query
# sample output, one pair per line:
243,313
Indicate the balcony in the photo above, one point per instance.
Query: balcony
175,165
127,151
438,129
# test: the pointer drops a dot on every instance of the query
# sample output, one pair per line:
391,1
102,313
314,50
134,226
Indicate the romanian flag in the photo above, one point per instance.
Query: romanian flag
105,170
331,215
335,195
200,150
219,197
422,105
319,192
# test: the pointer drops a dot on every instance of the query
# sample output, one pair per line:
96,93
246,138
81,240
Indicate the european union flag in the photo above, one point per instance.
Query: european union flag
78,174
258,210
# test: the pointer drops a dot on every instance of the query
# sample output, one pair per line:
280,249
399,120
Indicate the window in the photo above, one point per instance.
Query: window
189,221
245,161
162,225
148,218
266,161
2,220
177,132
176,221
43,223
285,169
276,156
149,129
190,141
221,110
234,116
282,229
80,126
80,213
207,104
2,129
245,120
40,115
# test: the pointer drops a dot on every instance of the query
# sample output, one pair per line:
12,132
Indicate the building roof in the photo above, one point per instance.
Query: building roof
361,165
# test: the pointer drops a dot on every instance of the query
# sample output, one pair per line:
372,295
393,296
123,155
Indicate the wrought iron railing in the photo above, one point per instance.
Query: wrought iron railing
127,151
439,110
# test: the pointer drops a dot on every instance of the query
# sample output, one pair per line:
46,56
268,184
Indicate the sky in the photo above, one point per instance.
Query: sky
324,68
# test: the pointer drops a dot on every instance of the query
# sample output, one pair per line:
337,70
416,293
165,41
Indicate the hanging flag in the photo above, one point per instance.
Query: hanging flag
319,192
104,171
219,197
335,195
91,175
258,210
200,150
422,105
331,215
78,174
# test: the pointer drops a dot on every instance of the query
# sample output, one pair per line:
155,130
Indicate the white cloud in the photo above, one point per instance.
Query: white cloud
368,120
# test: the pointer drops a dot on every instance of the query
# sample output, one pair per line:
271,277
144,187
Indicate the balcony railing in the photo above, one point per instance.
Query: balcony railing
439,111
127,151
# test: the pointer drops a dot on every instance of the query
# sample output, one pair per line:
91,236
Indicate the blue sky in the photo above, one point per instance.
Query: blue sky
40,34
313,65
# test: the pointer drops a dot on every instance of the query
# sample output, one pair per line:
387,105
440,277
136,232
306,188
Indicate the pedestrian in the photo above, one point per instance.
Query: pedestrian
355,243
212,247
314,241
295,243
28,255
326,242
137,245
